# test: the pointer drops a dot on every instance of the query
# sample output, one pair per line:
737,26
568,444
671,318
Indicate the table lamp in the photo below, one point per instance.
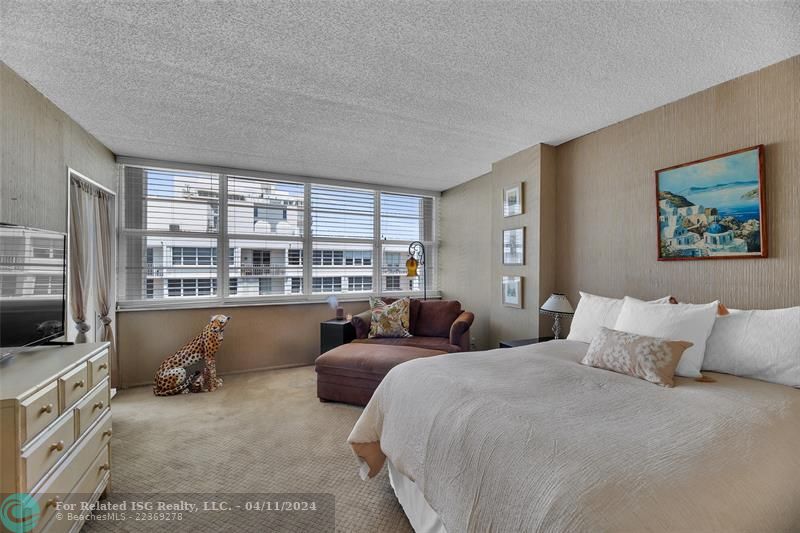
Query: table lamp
557,306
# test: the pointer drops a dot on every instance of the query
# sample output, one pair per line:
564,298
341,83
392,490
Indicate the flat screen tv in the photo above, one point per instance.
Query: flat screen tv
32,287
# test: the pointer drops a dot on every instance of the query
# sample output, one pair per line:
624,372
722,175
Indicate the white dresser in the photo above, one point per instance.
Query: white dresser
55,427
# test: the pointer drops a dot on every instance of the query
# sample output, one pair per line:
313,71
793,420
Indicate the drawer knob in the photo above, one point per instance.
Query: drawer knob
80,383
46,408
107,432
105,467
57,446
98,405
102,366
53,502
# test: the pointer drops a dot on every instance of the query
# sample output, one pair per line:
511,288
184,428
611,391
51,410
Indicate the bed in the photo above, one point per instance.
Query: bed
528,439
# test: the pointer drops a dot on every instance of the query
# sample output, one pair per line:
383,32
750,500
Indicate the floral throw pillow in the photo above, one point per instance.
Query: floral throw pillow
650,358
389,320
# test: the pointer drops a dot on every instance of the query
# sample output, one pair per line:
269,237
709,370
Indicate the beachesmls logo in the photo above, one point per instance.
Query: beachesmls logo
20,513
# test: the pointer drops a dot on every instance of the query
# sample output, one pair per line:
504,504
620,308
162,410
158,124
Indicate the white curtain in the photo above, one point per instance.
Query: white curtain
104,267
80,212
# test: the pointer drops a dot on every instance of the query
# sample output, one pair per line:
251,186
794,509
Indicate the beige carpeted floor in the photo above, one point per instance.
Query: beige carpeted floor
262,432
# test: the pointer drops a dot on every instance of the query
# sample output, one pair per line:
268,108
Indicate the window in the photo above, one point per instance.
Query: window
392,283
47,285
297,285
11,285
257,259
265,207
149,288
359,283
358,258
264,285
213,218
164,226
326,284
174,221
328,257
269,214
191,287
185,256
406,218
295,257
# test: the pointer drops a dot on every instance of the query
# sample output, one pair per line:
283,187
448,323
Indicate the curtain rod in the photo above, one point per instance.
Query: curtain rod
89,181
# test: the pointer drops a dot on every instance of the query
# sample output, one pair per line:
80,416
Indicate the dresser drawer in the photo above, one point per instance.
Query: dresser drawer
91,407
98,368
72,386
84,491
47,449
66,477
96,473
38,411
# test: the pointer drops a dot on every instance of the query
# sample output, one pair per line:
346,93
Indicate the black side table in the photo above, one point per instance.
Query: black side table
523,342
333,333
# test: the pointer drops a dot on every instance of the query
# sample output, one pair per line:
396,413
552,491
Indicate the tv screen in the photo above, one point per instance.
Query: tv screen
32,286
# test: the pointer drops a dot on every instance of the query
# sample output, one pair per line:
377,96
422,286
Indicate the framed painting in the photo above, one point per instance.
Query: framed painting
512,291
514,246
713,208
512,200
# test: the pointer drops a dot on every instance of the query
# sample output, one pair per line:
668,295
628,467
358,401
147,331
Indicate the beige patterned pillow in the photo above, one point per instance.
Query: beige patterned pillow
650,358
389,320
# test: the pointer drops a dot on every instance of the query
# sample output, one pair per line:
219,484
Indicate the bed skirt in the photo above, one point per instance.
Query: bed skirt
421,515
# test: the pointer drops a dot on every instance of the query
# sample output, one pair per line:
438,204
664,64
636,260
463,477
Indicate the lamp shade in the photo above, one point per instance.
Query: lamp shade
411,267
557,304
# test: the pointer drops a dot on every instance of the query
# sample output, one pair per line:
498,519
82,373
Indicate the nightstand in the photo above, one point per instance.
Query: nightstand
333,333
523,342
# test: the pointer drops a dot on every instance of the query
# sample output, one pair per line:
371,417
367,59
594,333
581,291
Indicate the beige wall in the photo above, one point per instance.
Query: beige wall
606,186
471,244
257,337
38,143
465,268
592,227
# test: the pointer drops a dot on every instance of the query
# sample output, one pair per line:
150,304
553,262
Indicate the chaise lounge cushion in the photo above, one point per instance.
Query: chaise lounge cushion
350,373
429,343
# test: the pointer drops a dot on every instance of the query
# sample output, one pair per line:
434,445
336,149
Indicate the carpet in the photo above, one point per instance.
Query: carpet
261,433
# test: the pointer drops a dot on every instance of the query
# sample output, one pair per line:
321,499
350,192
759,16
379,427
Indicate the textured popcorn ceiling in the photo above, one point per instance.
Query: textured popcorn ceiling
418,94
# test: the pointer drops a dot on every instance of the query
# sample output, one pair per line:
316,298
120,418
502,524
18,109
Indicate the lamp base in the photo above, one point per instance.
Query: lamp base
556,327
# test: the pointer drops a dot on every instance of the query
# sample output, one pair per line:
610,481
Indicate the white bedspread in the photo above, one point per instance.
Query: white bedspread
528,439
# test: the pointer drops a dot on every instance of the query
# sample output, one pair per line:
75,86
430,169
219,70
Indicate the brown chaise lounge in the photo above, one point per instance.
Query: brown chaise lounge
350,373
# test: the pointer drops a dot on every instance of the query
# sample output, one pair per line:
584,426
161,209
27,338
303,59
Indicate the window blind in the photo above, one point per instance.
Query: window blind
341,212
193,236
169,234
262,207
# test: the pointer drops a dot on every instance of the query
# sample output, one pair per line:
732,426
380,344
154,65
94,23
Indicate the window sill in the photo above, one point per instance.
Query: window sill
218,303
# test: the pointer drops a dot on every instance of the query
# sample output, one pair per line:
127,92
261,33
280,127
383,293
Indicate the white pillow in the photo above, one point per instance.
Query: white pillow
757,344
595,312
677,322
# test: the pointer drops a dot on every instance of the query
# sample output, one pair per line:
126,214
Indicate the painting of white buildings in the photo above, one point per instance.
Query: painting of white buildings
712,208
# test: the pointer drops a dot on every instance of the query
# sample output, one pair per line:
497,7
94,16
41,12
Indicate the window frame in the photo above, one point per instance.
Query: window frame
306,239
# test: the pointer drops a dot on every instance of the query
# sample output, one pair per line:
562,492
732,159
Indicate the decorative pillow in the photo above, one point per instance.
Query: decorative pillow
650,358
389,320
595,312
757,344
685,322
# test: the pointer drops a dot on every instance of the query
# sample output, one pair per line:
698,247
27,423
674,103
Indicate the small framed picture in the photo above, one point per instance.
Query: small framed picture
514,246
512,291
512,200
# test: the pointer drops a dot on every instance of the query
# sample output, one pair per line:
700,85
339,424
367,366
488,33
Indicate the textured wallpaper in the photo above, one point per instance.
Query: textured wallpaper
606,188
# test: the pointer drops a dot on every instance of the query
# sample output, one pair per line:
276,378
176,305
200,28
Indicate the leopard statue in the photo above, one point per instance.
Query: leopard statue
171,377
